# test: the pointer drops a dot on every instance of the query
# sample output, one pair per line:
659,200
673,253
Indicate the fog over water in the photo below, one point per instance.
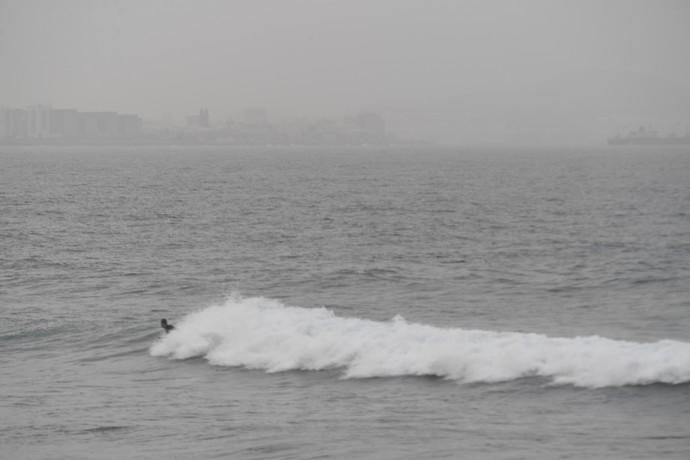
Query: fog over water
465,72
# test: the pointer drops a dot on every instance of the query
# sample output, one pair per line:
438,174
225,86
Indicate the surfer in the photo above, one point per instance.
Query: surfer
166,326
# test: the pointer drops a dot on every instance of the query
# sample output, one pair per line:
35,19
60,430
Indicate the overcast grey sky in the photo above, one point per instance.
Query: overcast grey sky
530,71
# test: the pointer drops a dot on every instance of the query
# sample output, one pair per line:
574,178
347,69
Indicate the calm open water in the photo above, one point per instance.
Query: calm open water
344,303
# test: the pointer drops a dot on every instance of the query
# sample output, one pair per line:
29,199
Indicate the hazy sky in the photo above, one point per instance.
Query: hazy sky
527,71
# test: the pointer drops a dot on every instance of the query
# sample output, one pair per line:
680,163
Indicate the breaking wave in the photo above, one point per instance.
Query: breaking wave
260,333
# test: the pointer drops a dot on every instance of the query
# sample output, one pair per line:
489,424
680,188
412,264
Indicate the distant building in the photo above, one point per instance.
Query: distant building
366,127
3,123
89,126
106,125
65,124
38,122
323,132
14,124
46,124
255,116
129,126
204,120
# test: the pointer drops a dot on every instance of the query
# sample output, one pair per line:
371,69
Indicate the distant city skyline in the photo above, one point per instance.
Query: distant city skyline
45,123
464,72
48,125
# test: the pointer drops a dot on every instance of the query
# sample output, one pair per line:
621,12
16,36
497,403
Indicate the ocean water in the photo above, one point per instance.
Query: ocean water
344,303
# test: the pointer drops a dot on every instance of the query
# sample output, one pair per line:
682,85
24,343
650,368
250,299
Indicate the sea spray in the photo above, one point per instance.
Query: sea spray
260,333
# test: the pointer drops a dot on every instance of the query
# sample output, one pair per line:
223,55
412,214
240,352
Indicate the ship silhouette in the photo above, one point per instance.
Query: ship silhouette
645,136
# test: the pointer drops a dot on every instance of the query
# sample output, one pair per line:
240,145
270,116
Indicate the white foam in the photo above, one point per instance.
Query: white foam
261,333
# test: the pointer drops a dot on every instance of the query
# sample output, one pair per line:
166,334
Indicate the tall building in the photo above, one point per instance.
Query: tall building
15,124
204,120
39,118
65,124
3,124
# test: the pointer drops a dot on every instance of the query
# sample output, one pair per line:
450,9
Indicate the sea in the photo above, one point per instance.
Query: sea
413,302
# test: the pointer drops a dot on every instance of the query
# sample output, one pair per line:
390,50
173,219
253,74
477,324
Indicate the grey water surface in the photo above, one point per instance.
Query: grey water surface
97,244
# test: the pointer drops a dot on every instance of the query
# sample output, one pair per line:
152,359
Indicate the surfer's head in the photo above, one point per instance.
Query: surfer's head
166,326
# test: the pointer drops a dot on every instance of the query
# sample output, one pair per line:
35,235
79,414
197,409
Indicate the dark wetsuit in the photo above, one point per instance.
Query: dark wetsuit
166,326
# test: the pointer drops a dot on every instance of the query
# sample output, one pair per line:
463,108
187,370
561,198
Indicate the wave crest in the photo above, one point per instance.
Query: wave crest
260,333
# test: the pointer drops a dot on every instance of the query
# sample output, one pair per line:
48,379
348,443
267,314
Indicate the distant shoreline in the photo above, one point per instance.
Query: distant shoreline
152,144
671,142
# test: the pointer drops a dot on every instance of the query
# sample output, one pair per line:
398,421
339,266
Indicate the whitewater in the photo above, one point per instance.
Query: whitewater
261,333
